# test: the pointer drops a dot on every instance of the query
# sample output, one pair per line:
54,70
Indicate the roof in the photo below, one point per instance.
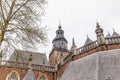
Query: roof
60,34
88,41
115,34
30,75
102,65
23,56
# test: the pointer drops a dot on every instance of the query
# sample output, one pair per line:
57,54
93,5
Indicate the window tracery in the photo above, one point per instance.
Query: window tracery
42,77
13,76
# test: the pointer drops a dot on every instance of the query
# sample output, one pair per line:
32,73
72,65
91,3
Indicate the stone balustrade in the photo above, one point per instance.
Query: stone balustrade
85,48
93,45
25,66
88,47
108,41
113,40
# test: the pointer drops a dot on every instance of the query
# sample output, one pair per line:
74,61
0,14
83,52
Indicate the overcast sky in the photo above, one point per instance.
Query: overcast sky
78,18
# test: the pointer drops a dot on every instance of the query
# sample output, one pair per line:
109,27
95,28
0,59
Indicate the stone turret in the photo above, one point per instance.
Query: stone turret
100,35
74,47
60,48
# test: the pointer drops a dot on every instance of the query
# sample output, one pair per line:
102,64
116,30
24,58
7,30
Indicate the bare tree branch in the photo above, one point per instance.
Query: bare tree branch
20,23
19,8
2,13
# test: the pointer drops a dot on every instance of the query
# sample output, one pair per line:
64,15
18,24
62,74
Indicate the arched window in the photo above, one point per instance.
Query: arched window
42,77
13,76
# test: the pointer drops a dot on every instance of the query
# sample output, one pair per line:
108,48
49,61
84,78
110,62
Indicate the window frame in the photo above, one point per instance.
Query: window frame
42,75
11,74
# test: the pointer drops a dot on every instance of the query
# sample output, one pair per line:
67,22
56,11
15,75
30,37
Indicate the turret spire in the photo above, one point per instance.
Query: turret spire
59,24
88,40
115,34
73,42
74,47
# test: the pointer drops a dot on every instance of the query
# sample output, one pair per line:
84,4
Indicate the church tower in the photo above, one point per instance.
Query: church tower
100,35
60,47
60,41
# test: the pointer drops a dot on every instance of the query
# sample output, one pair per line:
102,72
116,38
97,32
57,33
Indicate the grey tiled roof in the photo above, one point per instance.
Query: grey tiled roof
30,75
104,65
23,56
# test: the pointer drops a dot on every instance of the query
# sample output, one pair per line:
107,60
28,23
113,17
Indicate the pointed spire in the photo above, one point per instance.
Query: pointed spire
108,35
73,42
30,61
113,30
59,24
88,40
74,47
115,34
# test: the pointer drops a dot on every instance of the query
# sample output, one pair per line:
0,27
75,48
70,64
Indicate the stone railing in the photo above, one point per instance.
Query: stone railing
43,68
25,66
112,40
108,41
81,50
88,47
93,45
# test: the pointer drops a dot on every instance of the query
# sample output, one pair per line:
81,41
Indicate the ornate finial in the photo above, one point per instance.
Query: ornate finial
43,65
30,58
73,43
59,24
30,61
43,61
97,25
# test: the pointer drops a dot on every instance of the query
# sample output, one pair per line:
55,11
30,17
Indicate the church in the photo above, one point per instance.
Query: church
95,60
